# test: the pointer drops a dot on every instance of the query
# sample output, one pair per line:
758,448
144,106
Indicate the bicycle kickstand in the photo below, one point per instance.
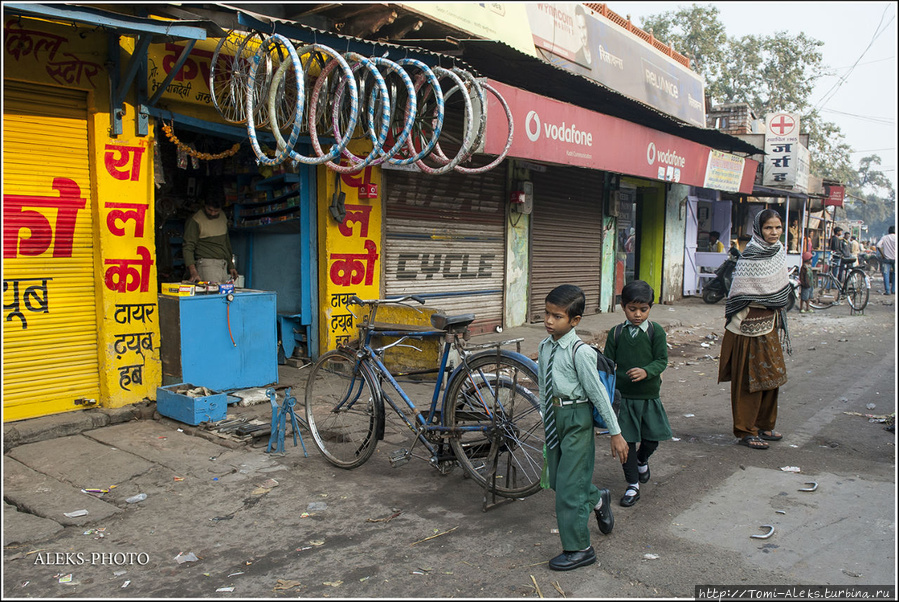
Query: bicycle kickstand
273,434
490,499
291,401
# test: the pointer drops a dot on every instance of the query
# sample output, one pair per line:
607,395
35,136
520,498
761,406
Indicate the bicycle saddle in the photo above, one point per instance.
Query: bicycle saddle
452,323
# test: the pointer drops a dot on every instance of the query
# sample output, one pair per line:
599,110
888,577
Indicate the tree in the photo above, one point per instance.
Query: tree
769,73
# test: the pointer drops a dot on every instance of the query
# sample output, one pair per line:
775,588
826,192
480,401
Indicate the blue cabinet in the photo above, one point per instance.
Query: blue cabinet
211,342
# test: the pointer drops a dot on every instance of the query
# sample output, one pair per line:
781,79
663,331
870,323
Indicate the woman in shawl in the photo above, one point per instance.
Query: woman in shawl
755,328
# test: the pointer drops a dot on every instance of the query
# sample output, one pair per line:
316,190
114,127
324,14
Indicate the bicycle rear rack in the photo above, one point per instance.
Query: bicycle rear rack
496,344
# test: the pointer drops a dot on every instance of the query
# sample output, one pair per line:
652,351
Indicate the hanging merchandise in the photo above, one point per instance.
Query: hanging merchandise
273,76
191,151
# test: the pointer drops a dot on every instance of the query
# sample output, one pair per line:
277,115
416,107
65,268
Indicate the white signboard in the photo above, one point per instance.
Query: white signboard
782,150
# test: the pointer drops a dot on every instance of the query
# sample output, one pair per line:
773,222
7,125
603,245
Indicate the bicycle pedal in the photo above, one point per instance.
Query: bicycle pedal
398,457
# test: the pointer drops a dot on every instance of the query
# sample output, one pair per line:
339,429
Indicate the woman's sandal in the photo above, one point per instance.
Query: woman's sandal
753,442
770,435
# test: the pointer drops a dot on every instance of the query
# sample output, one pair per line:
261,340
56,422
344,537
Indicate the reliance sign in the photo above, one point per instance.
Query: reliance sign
558,132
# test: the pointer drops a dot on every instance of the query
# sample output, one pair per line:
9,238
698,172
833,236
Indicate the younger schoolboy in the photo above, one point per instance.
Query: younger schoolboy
640,349
569,388
806,284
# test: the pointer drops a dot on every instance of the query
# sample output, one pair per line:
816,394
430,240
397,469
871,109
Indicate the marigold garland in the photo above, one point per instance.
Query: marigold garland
170,134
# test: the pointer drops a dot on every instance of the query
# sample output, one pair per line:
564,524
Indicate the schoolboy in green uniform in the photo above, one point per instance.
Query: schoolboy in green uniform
641,356
568,385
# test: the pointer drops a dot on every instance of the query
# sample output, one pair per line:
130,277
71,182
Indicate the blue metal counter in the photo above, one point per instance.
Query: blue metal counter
209,342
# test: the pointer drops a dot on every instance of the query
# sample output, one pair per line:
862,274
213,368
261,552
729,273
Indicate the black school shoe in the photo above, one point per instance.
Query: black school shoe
604,517
572,560
629,500
643,476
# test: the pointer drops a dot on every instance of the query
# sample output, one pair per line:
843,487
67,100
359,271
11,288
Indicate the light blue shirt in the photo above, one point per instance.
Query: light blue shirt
574,381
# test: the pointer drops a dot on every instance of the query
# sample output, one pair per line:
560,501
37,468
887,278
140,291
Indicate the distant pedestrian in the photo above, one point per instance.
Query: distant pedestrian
849,257
569,389
887,248
835,246
751,356
806,284
640,349
715,244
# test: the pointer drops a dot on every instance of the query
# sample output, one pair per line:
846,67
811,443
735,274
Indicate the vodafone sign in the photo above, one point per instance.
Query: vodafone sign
557,132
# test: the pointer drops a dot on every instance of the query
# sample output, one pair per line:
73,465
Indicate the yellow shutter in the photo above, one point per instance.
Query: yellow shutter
50,357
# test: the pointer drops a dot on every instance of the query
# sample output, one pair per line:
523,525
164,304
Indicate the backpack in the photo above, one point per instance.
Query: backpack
606,369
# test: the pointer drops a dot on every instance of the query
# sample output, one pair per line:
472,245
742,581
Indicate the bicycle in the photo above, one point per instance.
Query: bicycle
854,287
489,421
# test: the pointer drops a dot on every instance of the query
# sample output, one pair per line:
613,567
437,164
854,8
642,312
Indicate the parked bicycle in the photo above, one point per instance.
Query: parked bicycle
854,287
489,420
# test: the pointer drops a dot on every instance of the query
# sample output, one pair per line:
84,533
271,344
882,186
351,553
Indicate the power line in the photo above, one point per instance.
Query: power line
889,58
877,32
883,120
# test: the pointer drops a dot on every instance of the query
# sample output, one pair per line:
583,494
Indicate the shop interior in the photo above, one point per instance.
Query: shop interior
266,209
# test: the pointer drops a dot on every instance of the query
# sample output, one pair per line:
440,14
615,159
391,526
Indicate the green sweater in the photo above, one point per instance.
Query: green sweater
638,352
206,238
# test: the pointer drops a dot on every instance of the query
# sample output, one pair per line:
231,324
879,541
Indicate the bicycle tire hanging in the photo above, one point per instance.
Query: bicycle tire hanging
314,89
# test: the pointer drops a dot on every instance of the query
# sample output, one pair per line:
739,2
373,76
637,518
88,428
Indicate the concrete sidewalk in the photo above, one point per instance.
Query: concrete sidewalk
593,329
45,458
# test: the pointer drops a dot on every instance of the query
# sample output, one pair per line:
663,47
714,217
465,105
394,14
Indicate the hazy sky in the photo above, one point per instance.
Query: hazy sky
864,105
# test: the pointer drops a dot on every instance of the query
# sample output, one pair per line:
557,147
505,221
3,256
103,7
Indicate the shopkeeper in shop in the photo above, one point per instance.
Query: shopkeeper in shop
207,247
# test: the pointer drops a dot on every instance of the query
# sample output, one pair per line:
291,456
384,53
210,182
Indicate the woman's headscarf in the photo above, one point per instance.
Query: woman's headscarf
760,277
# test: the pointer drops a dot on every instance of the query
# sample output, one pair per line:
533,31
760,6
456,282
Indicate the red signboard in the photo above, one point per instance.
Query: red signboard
834,196
557,132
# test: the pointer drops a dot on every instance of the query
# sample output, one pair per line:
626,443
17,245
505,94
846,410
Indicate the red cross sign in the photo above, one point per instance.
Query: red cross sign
782,124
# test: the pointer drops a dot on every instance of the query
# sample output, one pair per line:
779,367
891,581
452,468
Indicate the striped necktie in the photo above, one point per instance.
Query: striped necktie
549,423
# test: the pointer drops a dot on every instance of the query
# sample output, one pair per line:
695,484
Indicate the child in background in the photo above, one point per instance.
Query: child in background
569,388
640,349
806,284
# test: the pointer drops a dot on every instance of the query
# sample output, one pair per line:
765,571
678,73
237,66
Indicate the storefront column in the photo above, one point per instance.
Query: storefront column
130,366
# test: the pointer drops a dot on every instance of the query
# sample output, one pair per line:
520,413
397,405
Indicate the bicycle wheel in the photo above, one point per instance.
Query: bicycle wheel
500,395
825,297
227,77
856,290
343,409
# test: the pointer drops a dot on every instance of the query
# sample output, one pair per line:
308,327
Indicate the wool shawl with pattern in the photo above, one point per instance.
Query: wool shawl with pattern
760,277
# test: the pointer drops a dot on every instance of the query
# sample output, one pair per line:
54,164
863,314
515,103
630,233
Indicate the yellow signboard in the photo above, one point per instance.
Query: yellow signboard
350,250
506,22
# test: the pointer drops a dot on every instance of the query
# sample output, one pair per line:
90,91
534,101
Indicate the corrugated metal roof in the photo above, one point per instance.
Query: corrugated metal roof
298,31
111,18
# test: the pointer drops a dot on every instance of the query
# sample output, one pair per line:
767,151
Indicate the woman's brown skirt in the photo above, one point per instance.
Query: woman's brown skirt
755,368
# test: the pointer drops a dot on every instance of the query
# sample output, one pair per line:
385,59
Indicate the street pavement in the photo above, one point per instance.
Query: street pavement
223,503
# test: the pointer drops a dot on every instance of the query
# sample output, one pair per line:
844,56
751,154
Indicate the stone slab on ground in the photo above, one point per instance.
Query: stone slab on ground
22,527
832,536
86,464
44,496
158,443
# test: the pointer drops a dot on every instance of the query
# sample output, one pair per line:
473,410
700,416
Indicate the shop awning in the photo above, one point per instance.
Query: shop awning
116,21
758,190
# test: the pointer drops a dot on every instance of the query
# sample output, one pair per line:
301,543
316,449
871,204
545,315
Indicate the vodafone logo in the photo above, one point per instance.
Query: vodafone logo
561,132
534,119
668,157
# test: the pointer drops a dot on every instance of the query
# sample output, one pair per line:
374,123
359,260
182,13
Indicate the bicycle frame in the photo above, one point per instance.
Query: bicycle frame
420,424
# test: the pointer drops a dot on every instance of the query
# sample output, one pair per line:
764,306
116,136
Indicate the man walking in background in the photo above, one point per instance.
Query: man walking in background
887,248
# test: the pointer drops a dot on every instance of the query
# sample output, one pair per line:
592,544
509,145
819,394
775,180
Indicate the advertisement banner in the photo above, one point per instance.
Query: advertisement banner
557,132
577,39
724,172
834,196
503,21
